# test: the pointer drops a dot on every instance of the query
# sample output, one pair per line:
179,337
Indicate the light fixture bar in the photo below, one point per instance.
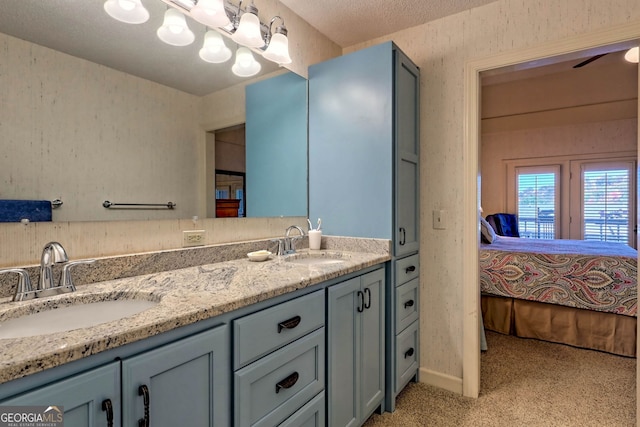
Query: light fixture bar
242,26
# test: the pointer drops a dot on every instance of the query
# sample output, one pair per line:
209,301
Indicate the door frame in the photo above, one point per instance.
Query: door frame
592,41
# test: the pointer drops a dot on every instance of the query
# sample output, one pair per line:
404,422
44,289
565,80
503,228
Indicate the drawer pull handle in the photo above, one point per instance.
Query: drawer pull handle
408,353
361,302
367,291
108,408
408,303
410,269
143,391
289,324
404,236
288,382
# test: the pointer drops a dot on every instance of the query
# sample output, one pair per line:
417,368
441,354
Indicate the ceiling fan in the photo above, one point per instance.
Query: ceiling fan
589,60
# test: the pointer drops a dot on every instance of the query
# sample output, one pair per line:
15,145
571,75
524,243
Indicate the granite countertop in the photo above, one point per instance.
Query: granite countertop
184,296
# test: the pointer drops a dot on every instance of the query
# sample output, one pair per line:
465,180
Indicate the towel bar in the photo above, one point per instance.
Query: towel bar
169,205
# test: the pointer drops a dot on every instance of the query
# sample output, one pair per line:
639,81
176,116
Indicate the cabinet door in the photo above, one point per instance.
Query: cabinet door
187,382
343,355
407,142
372,342
81,396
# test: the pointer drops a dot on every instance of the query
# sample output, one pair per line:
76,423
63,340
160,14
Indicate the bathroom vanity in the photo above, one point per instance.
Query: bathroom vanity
235,343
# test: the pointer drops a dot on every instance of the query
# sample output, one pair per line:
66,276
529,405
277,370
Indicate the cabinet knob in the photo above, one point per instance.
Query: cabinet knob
367,304
289,324
408,303
403,239
410,269
361,302
143,391
288,382
108,408
409,353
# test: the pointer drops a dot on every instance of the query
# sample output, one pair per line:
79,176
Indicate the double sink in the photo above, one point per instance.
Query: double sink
75,311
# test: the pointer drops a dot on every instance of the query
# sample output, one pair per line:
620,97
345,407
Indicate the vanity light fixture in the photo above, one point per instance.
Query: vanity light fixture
214,49
277,44
174,29
248,30
242,26
210,13
632,55
245,65
128,11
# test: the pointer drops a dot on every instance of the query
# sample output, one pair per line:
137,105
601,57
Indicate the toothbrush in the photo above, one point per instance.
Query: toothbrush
309,222
319,224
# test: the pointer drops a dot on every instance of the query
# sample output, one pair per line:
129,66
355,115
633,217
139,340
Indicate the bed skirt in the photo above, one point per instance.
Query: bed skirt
594,330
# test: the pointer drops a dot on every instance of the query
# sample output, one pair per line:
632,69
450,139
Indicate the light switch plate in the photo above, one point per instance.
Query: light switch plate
439,219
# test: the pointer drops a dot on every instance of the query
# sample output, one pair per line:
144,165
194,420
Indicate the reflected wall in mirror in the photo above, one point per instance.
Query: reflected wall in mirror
85,133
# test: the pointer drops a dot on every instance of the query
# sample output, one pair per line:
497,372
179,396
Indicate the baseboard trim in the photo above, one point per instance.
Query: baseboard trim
440,380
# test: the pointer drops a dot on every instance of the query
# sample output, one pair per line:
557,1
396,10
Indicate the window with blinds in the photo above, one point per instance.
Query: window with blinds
606,198
537,202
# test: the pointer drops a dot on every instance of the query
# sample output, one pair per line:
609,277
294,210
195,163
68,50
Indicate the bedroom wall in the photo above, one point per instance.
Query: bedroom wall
441,49
565,112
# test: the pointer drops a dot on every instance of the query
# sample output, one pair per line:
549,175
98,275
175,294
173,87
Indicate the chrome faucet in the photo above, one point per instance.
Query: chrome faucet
290,242
53,253
287,245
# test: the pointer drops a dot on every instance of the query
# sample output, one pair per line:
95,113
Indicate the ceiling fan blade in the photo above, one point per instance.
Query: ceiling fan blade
588,61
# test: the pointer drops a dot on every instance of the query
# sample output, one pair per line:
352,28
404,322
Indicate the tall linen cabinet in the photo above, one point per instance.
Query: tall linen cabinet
364,179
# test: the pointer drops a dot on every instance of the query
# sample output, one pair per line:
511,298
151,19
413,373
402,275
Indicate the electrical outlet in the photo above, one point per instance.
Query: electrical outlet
192,238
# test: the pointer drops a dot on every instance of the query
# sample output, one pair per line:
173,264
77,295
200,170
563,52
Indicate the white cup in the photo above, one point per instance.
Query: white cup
315,238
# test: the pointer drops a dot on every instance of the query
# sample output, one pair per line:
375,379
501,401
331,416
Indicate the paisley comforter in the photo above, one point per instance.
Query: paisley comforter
598,276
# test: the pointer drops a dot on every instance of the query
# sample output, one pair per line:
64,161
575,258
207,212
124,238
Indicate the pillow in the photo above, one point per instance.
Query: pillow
487,232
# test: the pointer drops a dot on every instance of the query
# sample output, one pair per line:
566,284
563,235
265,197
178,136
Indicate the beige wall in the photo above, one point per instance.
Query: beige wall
441,49
85,133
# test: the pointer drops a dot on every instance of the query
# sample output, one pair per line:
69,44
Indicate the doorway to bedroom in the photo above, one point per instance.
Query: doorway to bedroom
558,145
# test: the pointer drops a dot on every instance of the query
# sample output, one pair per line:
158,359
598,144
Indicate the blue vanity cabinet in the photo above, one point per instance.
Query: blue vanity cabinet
86,397
364,166
355,349
279,364
184,383
364,146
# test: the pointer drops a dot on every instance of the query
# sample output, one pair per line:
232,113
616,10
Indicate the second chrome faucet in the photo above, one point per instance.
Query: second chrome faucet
53,253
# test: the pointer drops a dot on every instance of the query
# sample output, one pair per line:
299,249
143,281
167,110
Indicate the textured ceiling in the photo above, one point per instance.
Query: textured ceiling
355,21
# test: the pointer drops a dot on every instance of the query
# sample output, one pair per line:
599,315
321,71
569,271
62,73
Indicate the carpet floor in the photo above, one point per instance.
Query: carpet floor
527,382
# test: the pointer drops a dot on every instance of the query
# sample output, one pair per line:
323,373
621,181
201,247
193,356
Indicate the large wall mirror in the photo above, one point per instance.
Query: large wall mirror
97,110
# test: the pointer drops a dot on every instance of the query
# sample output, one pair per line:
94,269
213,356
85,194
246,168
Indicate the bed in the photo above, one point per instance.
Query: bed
576,292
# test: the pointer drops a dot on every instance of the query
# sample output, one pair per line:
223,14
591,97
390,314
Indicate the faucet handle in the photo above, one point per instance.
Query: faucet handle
280,246
24,291
66,282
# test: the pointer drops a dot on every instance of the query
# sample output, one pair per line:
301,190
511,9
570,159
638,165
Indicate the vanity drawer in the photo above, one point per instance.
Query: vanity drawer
406,355
270,390
260,333
310,415
407,268
407,302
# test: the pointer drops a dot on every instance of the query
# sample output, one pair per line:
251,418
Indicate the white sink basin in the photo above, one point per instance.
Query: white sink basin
67,318
316,261
322,258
